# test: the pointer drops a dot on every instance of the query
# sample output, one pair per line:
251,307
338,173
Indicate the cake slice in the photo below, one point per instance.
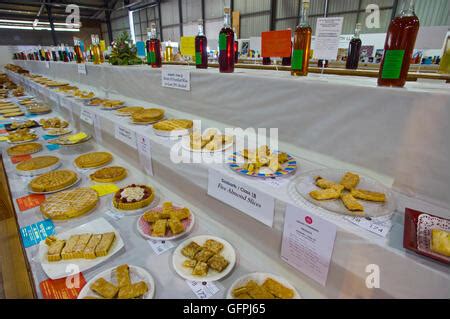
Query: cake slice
123,276
89,250
55,246
67,252
82,242
133,290
105,244
104,288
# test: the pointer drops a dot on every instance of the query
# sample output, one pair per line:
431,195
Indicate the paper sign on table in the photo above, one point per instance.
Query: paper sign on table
145,154
241,196
81,68
49,137
47,64
105,189
20,158
125,135
160,246
63,288
276,182
30,201
115,215
3,138
87,116
276,43
52,147
3,131
97,129
308,242
203,290
176,79
35,233
378,228
187,46
328,31
2,126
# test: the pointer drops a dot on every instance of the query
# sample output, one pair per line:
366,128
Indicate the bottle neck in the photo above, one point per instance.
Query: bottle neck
226,20
408,8
304,15
357,34
200,30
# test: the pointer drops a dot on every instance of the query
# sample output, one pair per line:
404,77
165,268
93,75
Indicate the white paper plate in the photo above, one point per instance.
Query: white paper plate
143,226
228,253
175,133
305,183
260,277
136,274
52,192
186,144
38,171
64,268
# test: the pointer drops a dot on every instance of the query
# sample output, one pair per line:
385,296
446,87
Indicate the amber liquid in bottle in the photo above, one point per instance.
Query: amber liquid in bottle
155,53
302,44
226,46
96,53
201,51
398,48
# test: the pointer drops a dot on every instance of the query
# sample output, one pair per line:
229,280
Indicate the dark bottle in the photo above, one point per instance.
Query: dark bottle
266,61
286,61
302,43
226,45
54,57
354,49
60,53
201,51
154,49
398,48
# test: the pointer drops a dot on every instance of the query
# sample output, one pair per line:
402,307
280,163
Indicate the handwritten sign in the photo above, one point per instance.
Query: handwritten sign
241,196
308,243
203,290
125,135
145,154
176,79
87,116
81,67
276,43
379,228
187,46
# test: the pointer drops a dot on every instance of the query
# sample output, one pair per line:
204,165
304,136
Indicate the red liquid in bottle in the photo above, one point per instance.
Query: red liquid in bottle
236,52
354,51
201,54
398,49
155,53
226,54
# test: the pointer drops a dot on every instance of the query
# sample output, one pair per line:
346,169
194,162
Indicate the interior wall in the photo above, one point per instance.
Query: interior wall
5,55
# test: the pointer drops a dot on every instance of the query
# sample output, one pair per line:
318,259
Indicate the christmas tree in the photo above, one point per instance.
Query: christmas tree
124,52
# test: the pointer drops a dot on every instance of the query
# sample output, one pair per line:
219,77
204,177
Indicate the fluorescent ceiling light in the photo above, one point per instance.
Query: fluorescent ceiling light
131,22
38,22
20,27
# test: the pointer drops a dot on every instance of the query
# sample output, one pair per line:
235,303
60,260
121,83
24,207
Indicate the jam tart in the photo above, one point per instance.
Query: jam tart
133,197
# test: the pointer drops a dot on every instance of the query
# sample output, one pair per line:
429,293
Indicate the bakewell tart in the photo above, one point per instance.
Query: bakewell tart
37,163
173,125
147,116
109,174
93,160
53,181
70,204
24,149
133,197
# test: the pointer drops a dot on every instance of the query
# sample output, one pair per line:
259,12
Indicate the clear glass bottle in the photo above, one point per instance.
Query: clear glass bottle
398,48
354,49
201,45
153,48
169,51
226,44
302,43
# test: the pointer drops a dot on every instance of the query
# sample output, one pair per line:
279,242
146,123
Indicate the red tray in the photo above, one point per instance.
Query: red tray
410,233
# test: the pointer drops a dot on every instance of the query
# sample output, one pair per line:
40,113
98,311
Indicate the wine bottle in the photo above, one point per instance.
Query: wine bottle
302,43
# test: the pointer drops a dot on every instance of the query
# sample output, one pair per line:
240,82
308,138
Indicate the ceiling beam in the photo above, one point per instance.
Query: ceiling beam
55,4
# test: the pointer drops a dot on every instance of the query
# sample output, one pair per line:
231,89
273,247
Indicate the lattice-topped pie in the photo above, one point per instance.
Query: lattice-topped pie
109,174
53,181
92,160
37,163
173,125
24,149
133,197
69,204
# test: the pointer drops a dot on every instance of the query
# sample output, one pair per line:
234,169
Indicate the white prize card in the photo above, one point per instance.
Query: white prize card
176,79
125,135
203,290
241,196
145,154
81,67
308,242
